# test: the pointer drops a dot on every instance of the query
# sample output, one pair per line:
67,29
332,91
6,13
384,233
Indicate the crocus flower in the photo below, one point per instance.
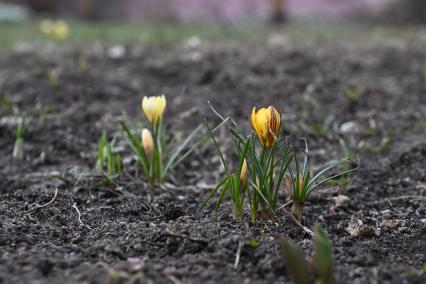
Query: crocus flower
266,123
153,107
147,141
57,30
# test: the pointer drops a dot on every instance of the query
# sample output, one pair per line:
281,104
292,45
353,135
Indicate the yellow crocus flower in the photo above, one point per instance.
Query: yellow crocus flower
266,122
57,30
46,27
61,30
153,107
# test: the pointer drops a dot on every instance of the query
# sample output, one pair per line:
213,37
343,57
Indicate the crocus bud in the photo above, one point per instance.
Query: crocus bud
147,141
243,175
266,122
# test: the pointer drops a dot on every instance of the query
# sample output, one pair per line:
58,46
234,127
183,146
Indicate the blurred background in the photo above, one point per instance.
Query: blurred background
167,20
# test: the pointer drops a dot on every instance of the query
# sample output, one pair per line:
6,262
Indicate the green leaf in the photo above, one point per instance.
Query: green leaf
323,256
284,166
295,261
110,160
101,145
324,170
271,209
329,178
22,127
305,158
212,193
136,147
119,163
174,161
258,170
253,244
305,187
213,138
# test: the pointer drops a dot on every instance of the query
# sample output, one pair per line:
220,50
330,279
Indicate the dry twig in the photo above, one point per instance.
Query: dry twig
79,216
306,229
44,205
237,256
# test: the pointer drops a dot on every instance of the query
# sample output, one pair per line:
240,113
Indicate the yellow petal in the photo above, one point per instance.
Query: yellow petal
262,117
255,125
146,107
273,126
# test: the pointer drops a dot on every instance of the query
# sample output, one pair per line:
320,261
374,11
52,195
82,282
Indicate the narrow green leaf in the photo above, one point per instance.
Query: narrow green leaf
212,193
323,256
305,158
101,145
305,187
171,163
213,138
136,148
283,170
329,178
222,194
295,261
263,197
321,172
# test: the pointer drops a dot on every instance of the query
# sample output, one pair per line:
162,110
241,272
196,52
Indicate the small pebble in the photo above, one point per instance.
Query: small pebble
404,230
342,201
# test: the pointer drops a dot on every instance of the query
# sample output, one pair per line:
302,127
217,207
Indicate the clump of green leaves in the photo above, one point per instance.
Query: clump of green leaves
267,164
264,172
267,170
18,148
234,183
158,165
319,270
108,160
304,182
154,154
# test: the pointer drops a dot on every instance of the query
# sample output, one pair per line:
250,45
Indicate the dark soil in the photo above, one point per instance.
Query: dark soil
123,237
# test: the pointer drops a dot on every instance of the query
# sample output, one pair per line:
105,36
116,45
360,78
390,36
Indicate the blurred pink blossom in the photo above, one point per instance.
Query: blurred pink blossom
207,10
210,10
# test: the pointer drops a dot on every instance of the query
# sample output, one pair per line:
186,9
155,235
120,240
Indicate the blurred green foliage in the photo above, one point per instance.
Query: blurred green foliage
301,31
